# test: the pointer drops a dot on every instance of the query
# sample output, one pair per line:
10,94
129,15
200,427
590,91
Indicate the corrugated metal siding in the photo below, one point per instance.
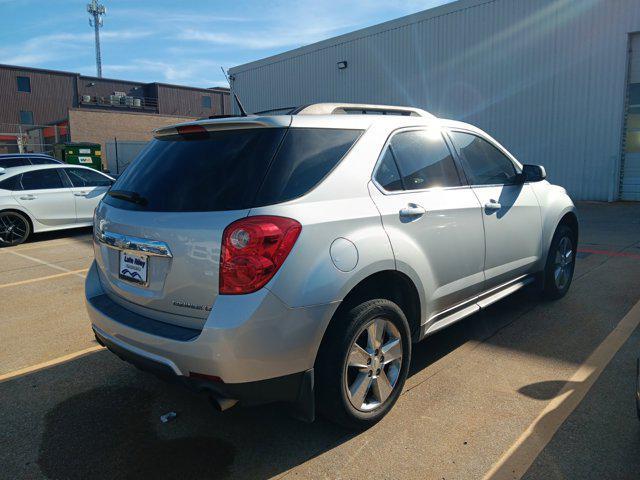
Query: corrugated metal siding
630,181
545,77
181,101
51,96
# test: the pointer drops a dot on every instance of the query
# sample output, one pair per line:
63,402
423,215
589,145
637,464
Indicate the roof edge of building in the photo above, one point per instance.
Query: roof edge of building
105,79
127,112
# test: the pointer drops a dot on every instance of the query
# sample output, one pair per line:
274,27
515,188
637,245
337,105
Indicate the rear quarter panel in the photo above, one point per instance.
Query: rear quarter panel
339,207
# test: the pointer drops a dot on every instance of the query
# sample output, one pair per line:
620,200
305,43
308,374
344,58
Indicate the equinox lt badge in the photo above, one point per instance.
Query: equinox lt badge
179,303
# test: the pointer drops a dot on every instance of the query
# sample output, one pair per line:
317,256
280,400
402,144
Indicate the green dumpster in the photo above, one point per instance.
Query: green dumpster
86,154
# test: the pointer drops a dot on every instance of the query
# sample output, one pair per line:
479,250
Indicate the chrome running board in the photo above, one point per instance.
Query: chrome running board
473,305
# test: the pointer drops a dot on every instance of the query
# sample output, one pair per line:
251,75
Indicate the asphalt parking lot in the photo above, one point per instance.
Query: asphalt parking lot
525,389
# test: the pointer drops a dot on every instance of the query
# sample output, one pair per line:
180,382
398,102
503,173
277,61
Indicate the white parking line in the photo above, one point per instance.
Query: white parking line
48,277
48,264
515,462
50,243
49,363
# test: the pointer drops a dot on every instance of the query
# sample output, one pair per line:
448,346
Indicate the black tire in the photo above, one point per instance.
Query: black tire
14,229
554,289
333,375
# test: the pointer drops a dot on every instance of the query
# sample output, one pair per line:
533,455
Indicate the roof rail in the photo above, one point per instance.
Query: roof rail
359,109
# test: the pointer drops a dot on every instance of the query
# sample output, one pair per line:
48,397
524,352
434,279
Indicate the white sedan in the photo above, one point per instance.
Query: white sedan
41,198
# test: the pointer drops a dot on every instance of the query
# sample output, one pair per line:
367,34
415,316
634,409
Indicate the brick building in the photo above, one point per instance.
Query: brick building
43,107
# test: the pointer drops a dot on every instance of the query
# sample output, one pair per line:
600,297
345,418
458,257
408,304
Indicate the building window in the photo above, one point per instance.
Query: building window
24,84
26,117
206,102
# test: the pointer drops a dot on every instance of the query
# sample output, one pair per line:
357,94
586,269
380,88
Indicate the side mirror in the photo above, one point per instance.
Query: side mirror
534,173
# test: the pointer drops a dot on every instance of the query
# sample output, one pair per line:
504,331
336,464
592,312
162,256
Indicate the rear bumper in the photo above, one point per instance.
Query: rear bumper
246,338
296,387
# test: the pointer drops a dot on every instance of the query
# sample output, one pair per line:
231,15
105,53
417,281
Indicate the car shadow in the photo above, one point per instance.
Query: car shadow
112,429
77,234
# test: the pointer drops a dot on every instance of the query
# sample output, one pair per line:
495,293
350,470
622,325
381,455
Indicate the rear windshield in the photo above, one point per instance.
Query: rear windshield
229,170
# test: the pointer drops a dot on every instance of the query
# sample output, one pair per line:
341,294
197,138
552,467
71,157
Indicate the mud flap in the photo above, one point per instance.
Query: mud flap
305,406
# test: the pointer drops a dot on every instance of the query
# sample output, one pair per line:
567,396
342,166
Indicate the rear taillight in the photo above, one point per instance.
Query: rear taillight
253,249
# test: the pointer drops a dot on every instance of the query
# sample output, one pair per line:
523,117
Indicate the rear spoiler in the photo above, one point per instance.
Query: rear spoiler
232,123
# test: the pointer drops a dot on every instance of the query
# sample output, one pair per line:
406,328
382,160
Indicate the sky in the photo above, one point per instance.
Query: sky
182,42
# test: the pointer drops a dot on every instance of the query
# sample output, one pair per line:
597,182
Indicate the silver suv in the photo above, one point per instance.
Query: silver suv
297,257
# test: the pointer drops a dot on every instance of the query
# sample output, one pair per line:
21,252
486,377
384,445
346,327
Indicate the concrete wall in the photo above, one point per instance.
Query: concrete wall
102,126
545,77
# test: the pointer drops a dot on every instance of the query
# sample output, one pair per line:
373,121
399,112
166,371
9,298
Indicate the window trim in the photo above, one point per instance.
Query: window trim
516,164
461,174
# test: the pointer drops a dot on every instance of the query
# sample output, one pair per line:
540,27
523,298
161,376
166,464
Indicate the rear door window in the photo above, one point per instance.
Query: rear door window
86,178
423,159
483,163
40,180
387,174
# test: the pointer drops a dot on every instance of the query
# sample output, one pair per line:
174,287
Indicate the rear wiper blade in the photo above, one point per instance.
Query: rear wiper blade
133,197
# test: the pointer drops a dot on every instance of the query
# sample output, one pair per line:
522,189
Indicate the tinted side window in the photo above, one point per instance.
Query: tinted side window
306,156
87,178
424,160
387,174
42,161
483,163
9,183
13,162
40,180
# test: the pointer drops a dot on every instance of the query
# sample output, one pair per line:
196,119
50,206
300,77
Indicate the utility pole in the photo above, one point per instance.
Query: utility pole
97,11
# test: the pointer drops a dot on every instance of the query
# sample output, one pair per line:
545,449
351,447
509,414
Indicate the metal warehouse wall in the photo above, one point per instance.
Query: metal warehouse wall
547,78
51,95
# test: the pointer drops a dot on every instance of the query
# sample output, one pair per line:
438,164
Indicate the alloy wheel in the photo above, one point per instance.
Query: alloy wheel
372,367
563,263
13,229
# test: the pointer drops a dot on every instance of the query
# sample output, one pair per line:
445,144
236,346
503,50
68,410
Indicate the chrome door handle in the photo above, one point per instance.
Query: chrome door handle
412,211
28,197
492,205
81,194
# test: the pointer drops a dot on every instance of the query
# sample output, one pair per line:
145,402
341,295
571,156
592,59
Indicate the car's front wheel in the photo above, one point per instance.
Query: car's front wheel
561,263
363,363
14,229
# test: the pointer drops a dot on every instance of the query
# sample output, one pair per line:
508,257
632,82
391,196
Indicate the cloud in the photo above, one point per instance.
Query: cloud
44,49
196,72
181,42
256,41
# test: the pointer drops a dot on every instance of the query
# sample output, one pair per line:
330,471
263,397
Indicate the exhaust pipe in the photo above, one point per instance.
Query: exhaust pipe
221,404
